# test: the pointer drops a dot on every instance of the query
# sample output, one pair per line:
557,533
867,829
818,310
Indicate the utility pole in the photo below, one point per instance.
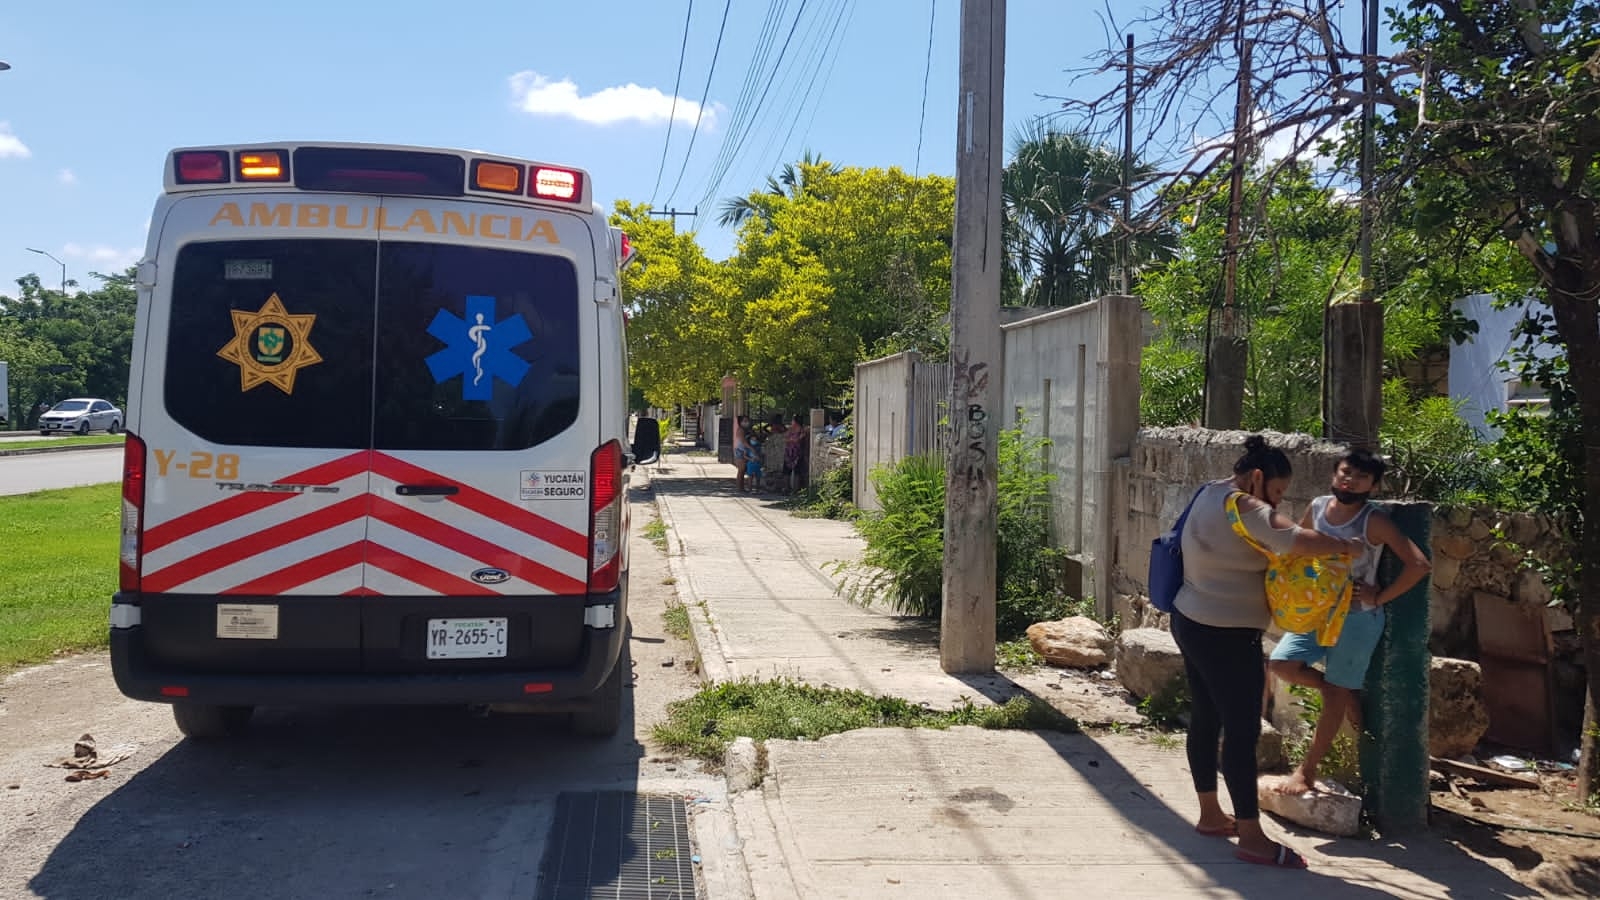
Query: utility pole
675,213
1352,370
1125,245
966,634
1229,351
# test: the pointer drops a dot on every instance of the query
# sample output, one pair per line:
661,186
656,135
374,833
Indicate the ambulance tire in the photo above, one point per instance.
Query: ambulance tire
202,722
603,716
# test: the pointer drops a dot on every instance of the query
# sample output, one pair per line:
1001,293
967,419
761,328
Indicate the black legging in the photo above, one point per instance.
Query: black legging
1226,680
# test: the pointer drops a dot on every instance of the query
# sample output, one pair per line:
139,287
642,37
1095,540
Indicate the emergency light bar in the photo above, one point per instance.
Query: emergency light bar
373,169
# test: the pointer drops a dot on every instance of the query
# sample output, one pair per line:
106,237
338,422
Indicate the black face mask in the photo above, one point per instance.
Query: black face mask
1350,498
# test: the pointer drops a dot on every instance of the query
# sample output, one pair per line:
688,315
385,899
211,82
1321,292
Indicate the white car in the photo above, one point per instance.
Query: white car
81,415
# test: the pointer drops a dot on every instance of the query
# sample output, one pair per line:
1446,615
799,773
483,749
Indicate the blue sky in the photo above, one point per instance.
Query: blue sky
99,91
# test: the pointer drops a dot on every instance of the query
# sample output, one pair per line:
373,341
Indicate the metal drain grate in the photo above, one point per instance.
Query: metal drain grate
617,844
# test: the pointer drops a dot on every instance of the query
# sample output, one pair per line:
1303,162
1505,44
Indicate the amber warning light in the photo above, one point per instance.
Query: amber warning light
263,165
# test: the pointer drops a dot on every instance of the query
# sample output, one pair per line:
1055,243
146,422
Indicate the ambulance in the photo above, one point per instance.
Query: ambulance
377,447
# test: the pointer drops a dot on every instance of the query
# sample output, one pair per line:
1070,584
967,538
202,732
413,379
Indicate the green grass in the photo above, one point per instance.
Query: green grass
656,533
1017,655
676,619
58,571
704,724
87,440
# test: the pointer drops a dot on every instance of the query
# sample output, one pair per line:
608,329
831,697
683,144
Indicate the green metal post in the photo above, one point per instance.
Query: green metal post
1394,749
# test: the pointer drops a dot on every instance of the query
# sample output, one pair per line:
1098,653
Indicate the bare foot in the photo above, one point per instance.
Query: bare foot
1217,826
1296,783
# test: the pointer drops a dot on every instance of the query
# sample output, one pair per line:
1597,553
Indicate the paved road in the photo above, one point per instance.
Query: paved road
355,802
41,471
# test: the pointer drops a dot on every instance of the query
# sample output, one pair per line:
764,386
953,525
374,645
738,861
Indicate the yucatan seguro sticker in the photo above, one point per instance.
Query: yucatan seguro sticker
540,484
270,345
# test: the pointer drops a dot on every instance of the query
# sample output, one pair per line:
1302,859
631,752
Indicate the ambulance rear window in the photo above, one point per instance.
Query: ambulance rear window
477,348
270,343
350,344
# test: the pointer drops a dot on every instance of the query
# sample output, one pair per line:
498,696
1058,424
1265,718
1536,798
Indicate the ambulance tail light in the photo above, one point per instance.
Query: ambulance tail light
201,167
133,457
605,518
551,183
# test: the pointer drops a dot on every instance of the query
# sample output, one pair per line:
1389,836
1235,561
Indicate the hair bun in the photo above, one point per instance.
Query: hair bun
1254,443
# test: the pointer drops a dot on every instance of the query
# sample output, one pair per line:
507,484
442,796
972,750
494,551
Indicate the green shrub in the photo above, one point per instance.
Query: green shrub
830,496
904,561
1435,455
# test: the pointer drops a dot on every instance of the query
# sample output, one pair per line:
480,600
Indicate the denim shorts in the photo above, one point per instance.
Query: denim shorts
1347,660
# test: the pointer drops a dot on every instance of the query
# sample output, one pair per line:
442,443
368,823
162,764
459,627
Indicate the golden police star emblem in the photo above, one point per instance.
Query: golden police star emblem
270,346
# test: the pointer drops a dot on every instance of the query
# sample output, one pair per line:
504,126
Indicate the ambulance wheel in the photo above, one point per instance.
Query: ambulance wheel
205,722
603,716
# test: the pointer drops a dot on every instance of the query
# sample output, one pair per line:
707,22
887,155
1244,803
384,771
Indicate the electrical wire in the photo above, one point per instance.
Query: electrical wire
739,145
800,94
704,94
673,115
741,106
927,69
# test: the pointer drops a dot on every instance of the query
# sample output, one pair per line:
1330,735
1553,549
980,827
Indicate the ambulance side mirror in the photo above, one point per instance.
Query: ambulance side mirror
646,441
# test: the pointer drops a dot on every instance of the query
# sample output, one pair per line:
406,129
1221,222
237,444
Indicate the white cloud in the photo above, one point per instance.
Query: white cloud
538,95
103,258
66,177
11,145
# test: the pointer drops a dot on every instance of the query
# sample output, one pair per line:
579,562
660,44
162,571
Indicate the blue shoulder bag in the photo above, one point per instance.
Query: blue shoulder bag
1166,561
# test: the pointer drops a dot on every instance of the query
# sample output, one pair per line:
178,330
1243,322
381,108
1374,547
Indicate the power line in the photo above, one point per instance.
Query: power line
741,106
812,63
704,94
673,115
828,77
927,69
717,182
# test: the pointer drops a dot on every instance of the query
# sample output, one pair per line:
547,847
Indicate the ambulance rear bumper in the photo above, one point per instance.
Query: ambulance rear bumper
349,677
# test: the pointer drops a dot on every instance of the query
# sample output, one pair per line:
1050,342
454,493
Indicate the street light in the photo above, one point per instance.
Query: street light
57,262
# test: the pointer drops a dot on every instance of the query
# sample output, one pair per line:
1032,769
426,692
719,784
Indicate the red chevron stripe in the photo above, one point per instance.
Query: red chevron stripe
305,572
362,591
227,554
244,504
472,546
418,572
574,542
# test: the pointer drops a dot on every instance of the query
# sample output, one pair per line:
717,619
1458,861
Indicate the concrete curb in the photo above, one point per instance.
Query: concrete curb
724,870
715,664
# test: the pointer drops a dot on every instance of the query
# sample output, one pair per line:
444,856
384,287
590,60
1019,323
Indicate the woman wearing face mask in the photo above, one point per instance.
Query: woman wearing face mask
1221,612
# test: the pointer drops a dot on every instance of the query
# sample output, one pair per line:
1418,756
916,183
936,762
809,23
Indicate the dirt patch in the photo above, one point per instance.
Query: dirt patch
1534,836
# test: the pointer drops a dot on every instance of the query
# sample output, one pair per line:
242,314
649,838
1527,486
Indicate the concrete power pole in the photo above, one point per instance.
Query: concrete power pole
1352,371
966,636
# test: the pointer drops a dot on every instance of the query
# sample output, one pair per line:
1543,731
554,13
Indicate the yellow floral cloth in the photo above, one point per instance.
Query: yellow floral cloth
1305,593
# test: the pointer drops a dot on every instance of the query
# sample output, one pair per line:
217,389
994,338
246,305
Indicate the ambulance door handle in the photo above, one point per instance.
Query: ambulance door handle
426,490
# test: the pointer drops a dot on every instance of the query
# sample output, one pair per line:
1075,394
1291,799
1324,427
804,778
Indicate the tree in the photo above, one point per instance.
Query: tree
789,183
1504,131
854,264
62,345
679,333
1060,230
1489,113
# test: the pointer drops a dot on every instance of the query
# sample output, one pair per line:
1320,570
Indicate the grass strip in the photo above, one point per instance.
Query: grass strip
91,440
704,724
58,571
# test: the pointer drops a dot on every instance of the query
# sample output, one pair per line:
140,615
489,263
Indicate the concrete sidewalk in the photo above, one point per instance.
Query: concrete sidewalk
966,812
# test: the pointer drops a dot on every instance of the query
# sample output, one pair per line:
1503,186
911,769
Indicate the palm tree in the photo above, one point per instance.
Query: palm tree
1059,195
790,181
